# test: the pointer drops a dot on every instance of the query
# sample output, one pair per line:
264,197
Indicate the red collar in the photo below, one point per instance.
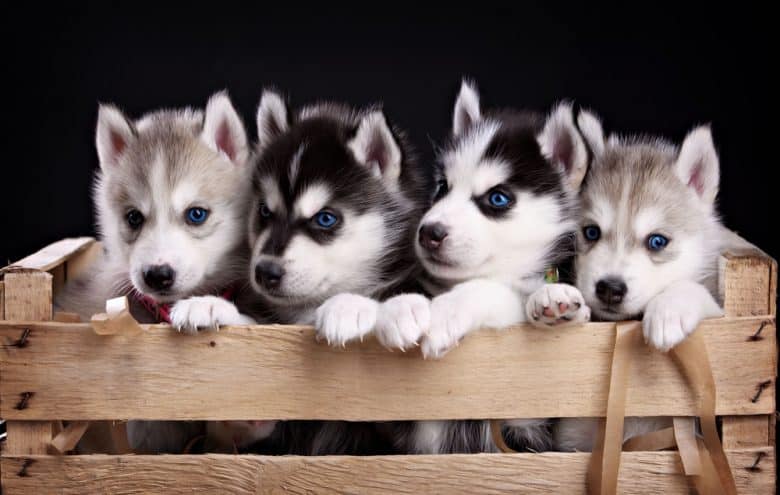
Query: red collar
162,311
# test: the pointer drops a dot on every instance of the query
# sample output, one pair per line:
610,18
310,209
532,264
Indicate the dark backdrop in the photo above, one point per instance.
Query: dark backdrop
648,69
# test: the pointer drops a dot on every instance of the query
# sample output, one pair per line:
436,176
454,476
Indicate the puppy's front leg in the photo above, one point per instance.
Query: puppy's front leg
195,313
676,312
478,303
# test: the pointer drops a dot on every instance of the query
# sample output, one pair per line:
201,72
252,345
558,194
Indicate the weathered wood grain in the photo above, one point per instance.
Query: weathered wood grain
274,372
640,473
55,254
748,286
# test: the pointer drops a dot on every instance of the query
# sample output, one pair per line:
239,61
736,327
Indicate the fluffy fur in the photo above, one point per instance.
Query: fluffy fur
638,188
152,172
354,168
503,212
351,164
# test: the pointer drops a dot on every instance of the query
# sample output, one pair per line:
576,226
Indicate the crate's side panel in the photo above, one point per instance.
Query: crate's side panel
28,297
748,287
640,473
491,374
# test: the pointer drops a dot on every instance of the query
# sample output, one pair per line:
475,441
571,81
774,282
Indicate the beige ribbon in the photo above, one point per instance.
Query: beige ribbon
703,461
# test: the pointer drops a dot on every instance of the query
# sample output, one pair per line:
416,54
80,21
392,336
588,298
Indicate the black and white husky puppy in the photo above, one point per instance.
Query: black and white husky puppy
648,245
336,198
504,211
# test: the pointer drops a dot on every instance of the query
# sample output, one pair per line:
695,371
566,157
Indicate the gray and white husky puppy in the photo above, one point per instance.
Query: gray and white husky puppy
336,197
648,244
171,199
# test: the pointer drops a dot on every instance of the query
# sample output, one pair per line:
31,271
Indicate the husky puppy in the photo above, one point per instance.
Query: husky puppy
648,244
336,199
503,212
171,198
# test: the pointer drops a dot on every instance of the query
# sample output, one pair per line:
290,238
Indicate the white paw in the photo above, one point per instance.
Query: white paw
344,318
557,304
196,313
450,321
402,320
668,321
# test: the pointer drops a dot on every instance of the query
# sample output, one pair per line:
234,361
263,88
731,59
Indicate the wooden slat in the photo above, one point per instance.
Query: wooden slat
2,300
747,280
640,473
274,372
28,437
54,254
748,286
746,431
28,296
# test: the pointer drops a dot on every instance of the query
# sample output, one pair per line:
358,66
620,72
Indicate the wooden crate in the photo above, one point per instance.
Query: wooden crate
52,371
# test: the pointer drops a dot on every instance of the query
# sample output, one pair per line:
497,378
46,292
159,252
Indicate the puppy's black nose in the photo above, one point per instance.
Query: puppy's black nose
432,235
269,274
159,277
611,290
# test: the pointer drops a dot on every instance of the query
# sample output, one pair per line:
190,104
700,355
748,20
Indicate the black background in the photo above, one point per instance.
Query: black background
648,69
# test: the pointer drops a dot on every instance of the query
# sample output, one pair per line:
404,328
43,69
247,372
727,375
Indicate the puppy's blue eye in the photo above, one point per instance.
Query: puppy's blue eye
197,215
134,219
265,212
592,233
326,219
656,242
499,200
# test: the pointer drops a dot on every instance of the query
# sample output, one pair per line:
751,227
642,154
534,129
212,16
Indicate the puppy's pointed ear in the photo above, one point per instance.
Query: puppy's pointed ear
562,144
375,147
592,132
467,111
272,117
698,166
223,130
114,132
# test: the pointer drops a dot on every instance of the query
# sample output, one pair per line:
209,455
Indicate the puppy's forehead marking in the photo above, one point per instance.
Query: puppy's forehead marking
601,211
470,150
311,200
488,174
159,178
272,196
646,220
295,163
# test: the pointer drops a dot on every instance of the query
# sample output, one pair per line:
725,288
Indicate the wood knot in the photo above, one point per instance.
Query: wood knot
213,344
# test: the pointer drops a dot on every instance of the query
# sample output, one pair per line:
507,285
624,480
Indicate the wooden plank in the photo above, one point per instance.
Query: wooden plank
748,286
640,473
275,372
28,437
2,300
28,295
746,431
54,254
747,280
